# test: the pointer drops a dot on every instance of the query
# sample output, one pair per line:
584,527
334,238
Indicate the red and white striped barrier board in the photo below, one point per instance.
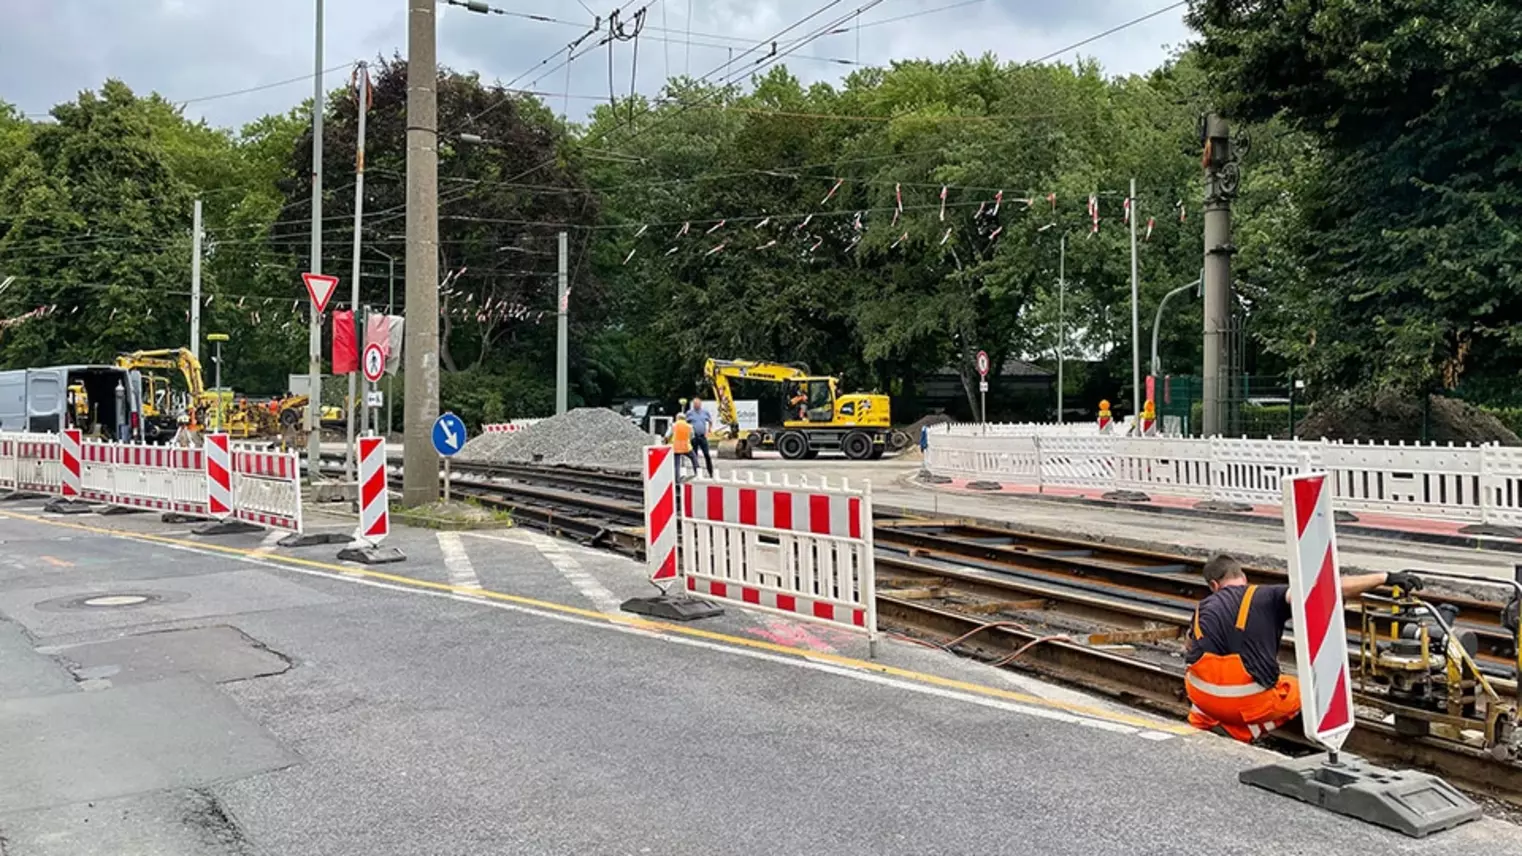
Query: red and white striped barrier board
1321,642
37,466
69,453
501,428
266,489
98,471
7,463
161,478
660,513
374,497
804,550
219,475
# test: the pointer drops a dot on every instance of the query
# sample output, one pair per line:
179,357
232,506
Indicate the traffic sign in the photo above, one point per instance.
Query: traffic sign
374,362
983,363
1321,642
320,287
375,398
448,434
982,386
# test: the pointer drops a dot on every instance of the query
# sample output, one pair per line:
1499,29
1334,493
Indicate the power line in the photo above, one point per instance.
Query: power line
1111,31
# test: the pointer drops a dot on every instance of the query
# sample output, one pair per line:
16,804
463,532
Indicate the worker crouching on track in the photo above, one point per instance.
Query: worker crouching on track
1232,650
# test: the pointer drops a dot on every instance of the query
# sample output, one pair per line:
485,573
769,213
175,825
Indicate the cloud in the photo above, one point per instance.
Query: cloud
193,48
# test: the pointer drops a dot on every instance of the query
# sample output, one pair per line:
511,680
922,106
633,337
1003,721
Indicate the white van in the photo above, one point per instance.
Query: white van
44,400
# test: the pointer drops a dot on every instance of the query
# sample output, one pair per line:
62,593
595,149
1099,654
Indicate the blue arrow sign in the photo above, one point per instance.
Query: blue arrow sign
448,434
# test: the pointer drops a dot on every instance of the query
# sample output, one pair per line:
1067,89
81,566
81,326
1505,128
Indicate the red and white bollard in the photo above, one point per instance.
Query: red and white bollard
71,478
221,492
374,508
661,536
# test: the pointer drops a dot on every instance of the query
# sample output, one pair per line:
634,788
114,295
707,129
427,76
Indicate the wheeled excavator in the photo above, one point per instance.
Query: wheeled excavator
203,408
800,414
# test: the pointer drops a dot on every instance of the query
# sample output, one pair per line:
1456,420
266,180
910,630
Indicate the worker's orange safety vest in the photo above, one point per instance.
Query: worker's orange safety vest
1223,693
681,437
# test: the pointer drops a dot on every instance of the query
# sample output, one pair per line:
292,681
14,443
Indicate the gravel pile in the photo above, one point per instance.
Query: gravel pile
586,436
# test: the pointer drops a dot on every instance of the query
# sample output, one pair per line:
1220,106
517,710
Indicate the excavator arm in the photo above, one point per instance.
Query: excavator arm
719,373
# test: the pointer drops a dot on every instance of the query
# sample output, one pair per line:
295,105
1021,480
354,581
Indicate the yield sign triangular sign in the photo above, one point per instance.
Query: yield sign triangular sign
321,288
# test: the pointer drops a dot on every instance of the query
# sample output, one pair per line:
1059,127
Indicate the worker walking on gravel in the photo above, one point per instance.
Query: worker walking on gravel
701,421
681,444
1232,649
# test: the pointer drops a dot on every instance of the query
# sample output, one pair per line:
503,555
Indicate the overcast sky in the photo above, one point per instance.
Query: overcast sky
189,49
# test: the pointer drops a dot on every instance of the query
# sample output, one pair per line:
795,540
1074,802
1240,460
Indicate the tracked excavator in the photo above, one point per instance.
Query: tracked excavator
800,414
203,408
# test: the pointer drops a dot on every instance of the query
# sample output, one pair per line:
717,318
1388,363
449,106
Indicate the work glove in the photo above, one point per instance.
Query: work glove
1404,580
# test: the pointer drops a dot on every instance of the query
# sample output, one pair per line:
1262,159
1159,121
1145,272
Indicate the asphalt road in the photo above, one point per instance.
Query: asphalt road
483,697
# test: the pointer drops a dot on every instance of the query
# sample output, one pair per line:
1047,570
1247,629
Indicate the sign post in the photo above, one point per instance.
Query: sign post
1414,803
373,366
320,288
448,440
983,385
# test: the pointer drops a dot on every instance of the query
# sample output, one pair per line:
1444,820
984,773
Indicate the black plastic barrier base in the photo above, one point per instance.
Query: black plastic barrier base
313,539
671,607
68,506
1416,804
230,526
371,555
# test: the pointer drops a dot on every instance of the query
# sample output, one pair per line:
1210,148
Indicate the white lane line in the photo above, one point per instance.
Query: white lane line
462,574
566,564
1031,710
271,538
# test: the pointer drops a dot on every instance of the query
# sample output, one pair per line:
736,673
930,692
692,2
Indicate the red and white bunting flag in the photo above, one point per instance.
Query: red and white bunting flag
1047,226
1183,213
800,226
998,200
898,202
1151,222
764,222
831,194
854,243
981,206
856,223
670,251
716,227
1125,216
944,238
817,242
240,303
995,233
565,301
642,230
1051,199
686,227
631,255
768,245
1094,213
943,203
715,249
901,238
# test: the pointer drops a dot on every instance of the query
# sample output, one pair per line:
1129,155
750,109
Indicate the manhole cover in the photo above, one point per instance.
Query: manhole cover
108,600
116,600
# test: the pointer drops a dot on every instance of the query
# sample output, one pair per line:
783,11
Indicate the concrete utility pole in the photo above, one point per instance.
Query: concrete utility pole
195,282
362,90
1136,382
1221,181
314,339
563,337
420,475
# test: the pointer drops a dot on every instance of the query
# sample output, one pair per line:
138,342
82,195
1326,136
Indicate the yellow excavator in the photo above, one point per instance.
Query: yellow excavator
204,408
799,414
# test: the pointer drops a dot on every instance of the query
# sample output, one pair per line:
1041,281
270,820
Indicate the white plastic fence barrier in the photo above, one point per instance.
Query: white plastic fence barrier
267,489
98,471
508,427
1472,484
1018,429
7,463
160,478
37,463
804,550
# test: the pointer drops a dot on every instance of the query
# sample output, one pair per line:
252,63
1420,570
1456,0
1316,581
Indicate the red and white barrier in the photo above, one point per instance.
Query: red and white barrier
70,484
98,471
161,478
374,498
37,467
219,476
267,489
1321,643
660,513
7,463
804,550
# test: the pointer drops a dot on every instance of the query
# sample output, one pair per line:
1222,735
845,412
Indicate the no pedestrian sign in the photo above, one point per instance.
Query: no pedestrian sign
375,362
983,363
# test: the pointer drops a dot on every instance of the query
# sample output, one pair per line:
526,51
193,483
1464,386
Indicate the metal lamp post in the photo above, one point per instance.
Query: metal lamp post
217,339
1157,323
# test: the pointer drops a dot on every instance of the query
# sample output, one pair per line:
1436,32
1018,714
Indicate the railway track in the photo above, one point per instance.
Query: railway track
1103,618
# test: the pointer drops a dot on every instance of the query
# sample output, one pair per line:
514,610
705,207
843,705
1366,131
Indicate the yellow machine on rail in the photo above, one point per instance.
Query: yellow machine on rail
799,414
203,408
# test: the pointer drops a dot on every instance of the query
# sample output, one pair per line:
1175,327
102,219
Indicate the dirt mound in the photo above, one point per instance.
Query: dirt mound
1390,416
913,430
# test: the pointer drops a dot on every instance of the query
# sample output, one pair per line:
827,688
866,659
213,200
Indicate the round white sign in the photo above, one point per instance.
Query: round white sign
983,363
375,362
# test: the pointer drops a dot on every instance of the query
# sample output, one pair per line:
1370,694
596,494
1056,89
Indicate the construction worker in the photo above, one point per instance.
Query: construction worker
1232,649
681,444
701,420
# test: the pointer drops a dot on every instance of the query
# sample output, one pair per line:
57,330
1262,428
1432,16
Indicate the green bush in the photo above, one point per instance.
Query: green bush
1511,417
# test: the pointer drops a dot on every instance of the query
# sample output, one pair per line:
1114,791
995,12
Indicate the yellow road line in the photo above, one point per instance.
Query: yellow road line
632,621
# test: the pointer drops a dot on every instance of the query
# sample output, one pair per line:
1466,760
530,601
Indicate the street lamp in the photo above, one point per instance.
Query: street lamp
1157,322
217,339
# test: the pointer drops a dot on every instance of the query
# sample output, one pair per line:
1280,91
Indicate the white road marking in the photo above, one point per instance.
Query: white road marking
858,674
462,574
270,540
558,553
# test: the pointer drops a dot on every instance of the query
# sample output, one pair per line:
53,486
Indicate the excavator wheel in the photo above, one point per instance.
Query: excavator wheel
792,445
289,418
857,445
